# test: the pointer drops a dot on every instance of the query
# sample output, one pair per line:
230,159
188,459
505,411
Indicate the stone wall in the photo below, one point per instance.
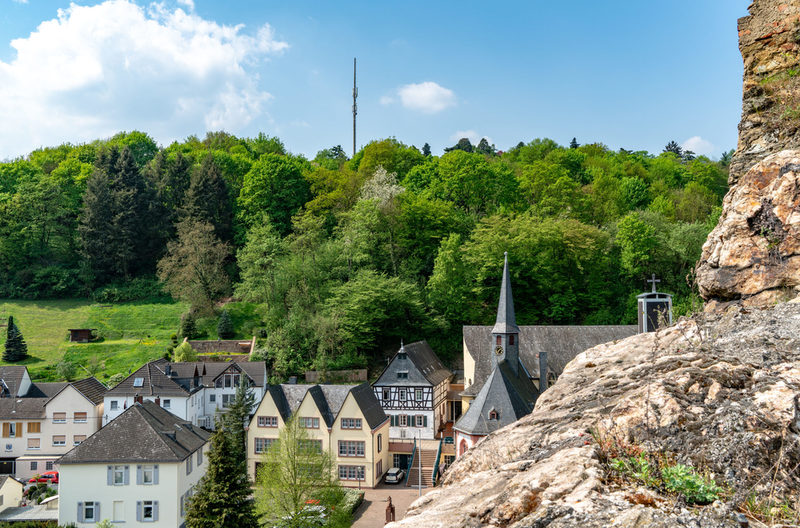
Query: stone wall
769,40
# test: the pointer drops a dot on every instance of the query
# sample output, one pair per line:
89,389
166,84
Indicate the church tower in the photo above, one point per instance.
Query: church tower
505,334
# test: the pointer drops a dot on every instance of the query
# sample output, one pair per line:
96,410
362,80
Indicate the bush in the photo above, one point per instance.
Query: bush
684,480
141,289
352,500
185,352
114,380
66,370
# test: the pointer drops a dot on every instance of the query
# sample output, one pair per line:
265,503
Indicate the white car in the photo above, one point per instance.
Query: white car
394,476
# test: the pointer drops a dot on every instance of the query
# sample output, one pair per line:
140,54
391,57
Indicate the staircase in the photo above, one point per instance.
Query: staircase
428,463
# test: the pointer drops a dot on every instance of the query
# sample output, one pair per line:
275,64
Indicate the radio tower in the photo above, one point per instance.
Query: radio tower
355,107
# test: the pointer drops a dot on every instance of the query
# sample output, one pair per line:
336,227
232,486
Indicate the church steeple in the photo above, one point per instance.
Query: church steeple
506,322
505,334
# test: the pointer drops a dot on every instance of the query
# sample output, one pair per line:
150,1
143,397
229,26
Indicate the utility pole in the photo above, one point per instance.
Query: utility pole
355,107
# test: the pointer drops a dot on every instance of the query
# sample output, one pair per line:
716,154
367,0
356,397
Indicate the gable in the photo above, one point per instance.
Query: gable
389,376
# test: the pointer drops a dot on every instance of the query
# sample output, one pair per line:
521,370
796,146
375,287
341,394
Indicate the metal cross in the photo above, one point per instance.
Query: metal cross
654,280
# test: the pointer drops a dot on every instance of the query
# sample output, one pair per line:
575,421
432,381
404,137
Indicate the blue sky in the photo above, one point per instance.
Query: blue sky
629,74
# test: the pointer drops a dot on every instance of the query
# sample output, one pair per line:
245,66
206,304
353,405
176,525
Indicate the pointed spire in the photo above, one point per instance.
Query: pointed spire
506,320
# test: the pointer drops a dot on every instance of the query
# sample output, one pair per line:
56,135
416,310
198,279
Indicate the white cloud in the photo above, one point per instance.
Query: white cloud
21,1
188,3
473,136
427,97
699,146
94,71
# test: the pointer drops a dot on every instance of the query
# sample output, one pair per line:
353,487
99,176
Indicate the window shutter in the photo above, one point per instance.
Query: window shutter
391,420
139,511
19,429
155,511
80,512
6,430
126,477
155,474
139,475
110,475
97,511
424,421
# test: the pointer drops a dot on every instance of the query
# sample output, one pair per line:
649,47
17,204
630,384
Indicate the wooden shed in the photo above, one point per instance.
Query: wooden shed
81,335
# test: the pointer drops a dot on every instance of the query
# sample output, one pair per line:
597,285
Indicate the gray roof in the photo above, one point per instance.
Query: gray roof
91,389
329,399
562,344
186,373
144,432
422,364
39,512
506,322
11,376
511,394
32,405
154,383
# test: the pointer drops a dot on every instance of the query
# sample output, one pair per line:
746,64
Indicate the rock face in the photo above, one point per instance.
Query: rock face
769,40
716,391
753,254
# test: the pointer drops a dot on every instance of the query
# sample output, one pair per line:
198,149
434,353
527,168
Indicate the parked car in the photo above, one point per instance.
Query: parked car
394,476
51,477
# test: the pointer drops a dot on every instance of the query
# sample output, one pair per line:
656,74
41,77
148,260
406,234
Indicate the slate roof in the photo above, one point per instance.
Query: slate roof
144,432
423,366
329,399
11,376
506,322
512,395
208,371
154,383
91,389
562,344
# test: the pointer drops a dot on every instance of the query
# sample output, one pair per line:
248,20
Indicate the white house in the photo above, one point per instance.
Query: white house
137,470
194,391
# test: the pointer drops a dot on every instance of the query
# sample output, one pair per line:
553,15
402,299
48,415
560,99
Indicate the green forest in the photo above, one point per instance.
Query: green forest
344,257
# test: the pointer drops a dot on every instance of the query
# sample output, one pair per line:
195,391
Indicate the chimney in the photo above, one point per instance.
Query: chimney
542,372
158,401
138,399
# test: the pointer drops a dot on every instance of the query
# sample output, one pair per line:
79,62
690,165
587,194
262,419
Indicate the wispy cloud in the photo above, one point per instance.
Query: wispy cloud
93,71
699,146
427,97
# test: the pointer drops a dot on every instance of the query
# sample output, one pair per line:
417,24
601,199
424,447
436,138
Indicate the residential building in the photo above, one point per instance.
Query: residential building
345,420
39,422
139,470
10,492
194,391
412,390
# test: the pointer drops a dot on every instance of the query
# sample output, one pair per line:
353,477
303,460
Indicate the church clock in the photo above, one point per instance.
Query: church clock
498,350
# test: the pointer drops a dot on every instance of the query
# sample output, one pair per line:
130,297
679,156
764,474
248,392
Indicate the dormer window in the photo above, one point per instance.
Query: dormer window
403,374
402,355
493,415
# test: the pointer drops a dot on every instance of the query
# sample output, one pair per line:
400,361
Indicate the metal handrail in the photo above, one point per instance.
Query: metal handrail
411,463
436,463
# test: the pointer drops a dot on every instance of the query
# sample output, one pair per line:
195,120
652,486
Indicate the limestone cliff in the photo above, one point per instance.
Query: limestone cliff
715,391
769,40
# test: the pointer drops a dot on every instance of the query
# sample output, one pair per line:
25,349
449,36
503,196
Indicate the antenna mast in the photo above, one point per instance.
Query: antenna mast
355,107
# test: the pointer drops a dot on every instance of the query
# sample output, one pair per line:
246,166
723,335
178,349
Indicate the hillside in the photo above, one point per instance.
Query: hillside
130,333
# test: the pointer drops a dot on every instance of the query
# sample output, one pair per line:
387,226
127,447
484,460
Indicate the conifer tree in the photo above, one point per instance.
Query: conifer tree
15,349
225,325
188,325
237,416
222,497
574,143
96,228
208,199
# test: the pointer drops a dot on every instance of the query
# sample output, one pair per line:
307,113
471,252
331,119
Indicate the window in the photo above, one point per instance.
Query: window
34,427
420,420
311,445
149,511
402,374
59,440
34,443
138,382
34,466
200,457
212,398
228,381
401,394
511,339
13,430
379,468
403,419
60,417
188,465
387,394
380,442
493,415
351,448
80,417
351,472
268,421
351,423
148,475
262,445
118,475
309,423
227,399
402,355
48,466
166,403
88,509
498,340
114,405
418,394
77,439
119,512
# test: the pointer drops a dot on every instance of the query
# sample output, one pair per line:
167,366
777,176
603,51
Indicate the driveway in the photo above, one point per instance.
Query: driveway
372,512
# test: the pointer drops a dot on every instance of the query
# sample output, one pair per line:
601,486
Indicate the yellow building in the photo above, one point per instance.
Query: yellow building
346,420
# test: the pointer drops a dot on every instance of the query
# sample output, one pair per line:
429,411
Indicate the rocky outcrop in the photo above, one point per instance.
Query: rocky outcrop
716,391
753,254
769,40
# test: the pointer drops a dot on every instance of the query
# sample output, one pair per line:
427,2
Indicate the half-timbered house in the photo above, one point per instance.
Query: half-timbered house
412,390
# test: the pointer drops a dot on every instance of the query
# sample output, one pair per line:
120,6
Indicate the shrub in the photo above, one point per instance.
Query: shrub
225,325
684,480
114,380
66,370
188,325
185,352
140,289
638,468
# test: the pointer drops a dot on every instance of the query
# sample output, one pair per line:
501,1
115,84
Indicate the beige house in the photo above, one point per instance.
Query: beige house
10,492
346,420
39,422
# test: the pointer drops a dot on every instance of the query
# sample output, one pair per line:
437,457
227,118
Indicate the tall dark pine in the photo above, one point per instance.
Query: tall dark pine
15,349
426,150
574,144
96,228
208,199
169,180
236,417
222,497
225,325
